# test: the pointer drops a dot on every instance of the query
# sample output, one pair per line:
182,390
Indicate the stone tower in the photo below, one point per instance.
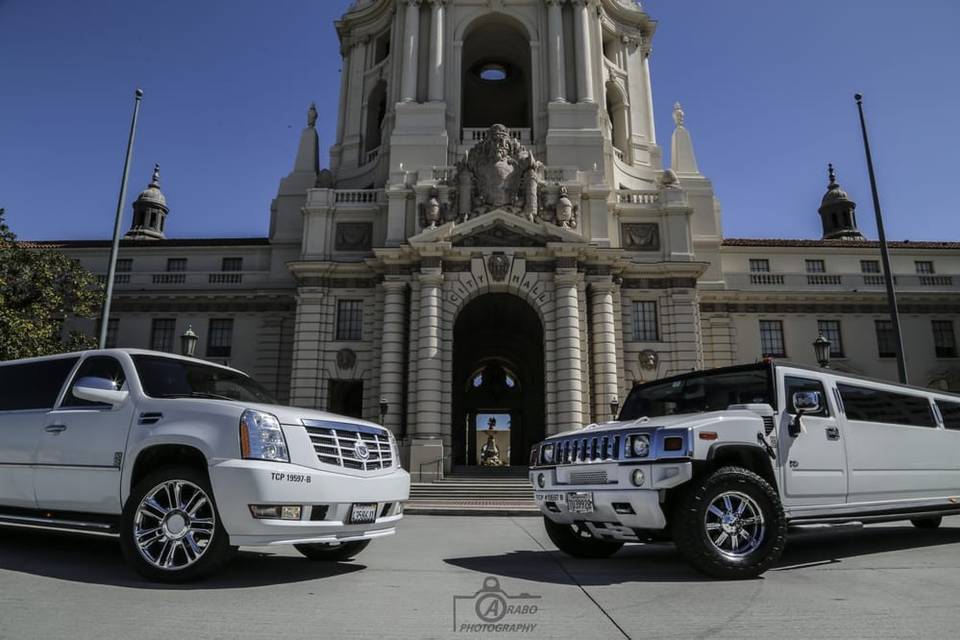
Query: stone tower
149,211
837,212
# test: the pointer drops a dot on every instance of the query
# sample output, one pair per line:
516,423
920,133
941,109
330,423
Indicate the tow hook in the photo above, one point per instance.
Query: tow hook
766,445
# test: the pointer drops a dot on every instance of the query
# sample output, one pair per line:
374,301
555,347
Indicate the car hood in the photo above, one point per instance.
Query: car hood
286,415
679,420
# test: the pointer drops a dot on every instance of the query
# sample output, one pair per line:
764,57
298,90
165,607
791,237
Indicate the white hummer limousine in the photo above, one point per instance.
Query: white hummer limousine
722,461
186,461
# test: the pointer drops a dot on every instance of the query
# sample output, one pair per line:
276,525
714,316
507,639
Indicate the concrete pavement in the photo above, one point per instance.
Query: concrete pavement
882,581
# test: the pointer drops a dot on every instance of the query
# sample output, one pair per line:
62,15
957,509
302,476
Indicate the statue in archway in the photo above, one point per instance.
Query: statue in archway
490,452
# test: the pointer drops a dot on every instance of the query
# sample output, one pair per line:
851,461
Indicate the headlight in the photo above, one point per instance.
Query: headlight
640,447
547,451
261,437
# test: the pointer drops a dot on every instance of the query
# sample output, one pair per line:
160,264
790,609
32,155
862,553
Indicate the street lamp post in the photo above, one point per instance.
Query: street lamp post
614,407
188,342
115,247
821,348
384,407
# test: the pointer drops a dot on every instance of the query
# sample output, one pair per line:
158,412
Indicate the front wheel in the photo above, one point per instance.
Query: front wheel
730,524
170,530
332,552
932,522
576,541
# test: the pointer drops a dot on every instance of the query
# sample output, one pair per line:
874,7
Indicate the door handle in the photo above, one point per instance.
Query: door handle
55,428
833,433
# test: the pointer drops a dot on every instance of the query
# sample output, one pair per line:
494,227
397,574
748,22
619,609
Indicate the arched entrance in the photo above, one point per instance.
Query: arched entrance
498,373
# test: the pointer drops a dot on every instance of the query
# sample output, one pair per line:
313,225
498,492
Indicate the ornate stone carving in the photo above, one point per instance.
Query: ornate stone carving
346,358
312,115
566,212
499,173
640,236
669,179
498,265
433,212
353,236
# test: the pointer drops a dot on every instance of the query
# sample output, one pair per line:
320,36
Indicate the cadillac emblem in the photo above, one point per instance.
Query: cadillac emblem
498,264
361,451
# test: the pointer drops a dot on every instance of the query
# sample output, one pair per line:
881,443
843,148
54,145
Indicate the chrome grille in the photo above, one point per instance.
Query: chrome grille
588,477
597,448
339,443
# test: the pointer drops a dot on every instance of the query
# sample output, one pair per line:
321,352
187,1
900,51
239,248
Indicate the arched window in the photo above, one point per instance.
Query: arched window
496,85
376,110
619,118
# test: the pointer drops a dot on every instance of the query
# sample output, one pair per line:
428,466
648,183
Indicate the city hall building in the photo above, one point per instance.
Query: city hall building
497,240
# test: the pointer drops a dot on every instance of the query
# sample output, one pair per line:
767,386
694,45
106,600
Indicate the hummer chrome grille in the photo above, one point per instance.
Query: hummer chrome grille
353,446
598,448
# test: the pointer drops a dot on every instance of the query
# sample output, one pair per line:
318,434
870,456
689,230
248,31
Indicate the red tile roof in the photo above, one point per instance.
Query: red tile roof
172,242
842,244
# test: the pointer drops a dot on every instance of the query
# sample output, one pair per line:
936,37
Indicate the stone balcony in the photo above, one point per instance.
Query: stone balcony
160,280
763,281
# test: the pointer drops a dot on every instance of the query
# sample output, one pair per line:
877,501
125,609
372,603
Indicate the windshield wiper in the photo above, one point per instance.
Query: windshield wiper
196,394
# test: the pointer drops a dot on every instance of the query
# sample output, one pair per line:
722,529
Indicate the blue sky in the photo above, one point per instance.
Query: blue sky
767,88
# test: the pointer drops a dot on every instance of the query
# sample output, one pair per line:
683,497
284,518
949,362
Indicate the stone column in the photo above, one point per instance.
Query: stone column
411,42
392,348
435,79
581,39
651,128
603,334
558,70
430,365
569,380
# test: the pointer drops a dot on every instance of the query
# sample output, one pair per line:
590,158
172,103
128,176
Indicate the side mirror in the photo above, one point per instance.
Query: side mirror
803,402
99,390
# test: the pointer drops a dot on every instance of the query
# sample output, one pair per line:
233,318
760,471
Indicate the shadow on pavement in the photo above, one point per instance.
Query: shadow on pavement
97,560
662,563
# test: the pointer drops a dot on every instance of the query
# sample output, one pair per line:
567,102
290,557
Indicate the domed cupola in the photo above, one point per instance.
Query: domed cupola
837,212
149,211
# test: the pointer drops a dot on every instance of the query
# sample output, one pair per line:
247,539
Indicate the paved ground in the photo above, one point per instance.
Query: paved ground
882,581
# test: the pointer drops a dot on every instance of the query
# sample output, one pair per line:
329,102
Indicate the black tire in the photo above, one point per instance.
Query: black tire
765,539
332,552
216,551
578,542
933,522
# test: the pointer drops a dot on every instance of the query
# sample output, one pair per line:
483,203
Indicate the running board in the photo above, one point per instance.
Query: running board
57,522
876,517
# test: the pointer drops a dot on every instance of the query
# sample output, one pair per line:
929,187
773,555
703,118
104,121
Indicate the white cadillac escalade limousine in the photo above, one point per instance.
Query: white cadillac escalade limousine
186,461
722,461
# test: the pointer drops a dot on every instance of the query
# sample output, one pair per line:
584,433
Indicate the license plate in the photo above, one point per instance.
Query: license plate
580,502
363,514
557,498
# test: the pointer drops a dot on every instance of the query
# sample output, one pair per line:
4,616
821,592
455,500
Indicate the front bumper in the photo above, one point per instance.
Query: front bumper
621,511
326,499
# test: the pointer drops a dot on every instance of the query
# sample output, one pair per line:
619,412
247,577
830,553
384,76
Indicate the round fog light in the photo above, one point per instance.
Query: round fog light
637,477
540,480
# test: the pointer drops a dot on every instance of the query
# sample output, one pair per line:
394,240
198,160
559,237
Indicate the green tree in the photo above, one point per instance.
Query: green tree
39,291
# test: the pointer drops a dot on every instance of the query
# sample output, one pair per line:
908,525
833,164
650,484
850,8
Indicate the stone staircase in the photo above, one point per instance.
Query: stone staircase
474,494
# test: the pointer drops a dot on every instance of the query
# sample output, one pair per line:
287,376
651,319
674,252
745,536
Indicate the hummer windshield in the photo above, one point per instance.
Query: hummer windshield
175,378
701,391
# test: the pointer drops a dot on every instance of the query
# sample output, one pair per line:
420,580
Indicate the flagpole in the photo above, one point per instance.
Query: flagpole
112,268
884,250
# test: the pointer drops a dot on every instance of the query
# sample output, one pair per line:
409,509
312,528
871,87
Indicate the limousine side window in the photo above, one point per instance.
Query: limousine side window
33,385
95,367
951,414
876,405
795,385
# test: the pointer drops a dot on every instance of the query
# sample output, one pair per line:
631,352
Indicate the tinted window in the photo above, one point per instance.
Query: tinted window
797,385
874,405
96,367
34,385
696,393
951,414
173,378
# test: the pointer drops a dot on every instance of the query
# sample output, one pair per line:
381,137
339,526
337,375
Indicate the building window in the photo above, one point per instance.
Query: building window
886,345
231,264
944,340
113,327
759,265
162,334
816,266
771,339
124,264
870,266
924,267
219,337
176,264
345,397
349,320
830,329
645,321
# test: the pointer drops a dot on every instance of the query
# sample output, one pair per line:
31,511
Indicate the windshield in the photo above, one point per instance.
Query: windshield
699,392
173,378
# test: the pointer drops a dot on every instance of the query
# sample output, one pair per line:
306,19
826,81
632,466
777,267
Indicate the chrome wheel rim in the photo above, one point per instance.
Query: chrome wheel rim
734,524
174,525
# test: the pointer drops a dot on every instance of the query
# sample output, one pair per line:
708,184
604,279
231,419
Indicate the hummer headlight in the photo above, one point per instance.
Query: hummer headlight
547,452
261,437
640,447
